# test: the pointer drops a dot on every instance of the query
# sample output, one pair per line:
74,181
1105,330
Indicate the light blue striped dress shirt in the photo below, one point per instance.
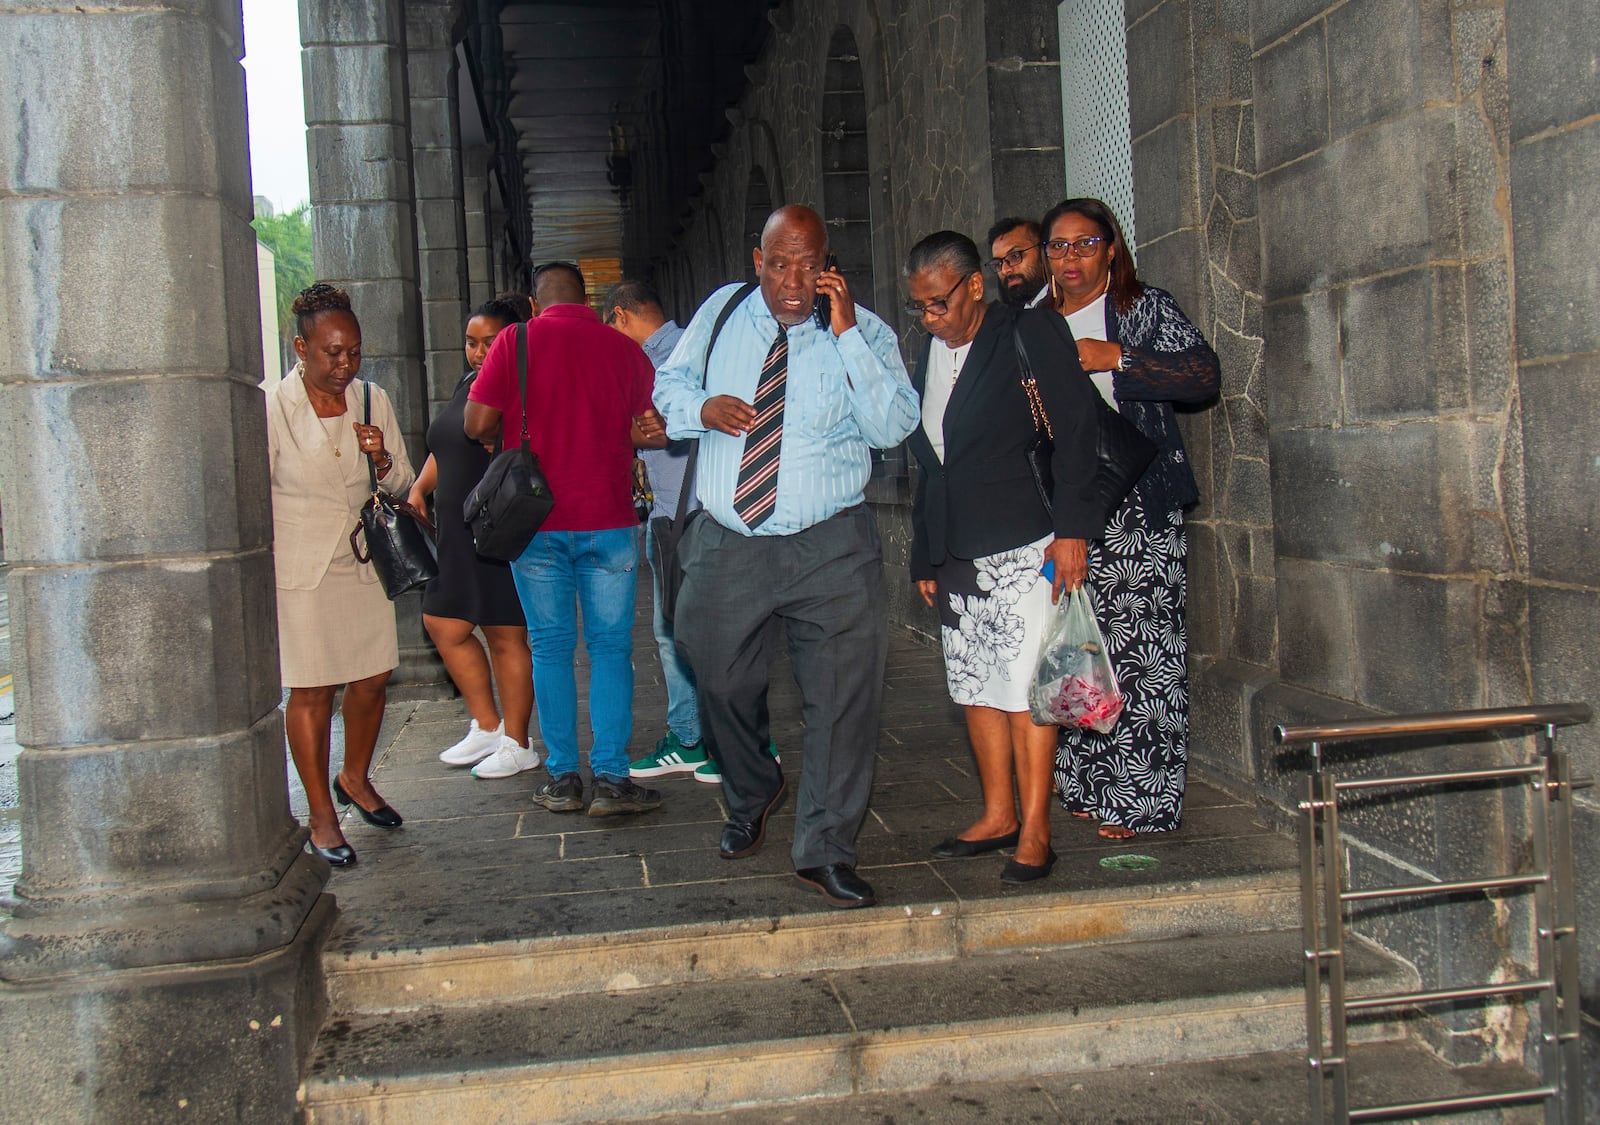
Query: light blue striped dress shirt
844,397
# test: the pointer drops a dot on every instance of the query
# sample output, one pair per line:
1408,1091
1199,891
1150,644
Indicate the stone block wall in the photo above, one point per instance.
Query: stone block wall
1553,146
1401,502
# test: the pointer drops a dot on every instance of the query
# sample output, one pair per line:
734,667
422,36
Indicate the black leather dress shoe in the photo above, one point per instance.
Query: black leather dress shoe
741,837
342,855
956,848
382,817
1015,872
841,887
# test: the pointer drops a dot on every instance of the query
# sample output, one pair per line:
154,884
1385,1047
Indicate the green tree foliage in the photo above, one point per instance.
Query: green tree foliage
288,236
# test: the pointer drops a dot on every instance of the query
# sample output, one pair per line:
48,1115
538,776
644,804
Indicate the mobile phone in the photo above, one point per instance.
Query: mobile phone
821,304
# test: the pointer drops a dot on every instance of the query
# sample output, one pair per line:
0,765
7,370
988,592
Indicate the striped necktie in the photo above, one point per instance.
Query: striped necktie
756,493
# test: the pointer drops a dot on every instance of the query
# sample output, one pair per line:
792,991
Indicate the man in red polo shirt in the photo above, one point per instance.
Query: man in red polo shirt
587,386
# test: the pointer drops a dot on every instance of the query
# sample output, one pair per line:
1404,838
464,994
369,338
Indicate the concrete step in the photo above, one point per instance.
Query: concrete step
706,1045
365,980
1265,1089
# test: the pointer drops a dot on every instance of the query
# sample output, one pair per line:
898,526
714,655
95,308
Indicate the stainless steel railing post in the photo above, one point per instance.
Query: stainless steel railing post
1552,883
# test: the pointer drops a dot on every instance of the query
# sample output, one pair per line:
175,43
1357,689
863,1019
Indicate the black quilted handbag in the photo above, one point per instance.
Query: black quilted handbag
512,501
399,538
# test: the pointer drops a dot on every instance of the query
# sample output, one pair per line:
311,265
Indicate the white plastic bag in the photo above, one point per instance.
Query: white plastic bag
1074,684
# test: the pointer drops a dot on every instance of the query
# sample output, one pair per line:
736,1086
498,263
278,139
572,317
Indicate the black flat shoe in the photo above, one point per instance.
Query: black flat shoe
382,817
841,887
957,848
343,855
741,837
1015,872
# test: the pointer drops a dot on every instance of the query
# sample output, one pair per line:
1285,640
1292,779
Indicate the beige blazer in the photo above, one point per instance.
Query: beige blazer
314,508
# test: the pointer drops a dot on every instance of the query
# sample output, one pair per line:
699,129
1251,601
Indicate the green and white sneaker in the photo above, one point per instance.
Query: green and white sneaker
709,773
671,756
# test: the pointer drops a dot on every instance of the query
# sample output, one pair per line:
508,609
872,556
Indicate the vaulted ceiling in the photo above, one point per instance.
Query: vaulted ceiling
608,110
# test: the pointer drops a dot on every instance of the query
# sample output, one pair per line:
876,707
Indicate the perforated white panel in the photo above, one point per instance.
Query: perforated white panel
1094,104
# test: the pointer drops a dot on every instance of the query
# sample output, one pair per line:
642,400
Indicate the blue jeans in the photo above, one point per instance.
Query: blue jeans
683,713
558,572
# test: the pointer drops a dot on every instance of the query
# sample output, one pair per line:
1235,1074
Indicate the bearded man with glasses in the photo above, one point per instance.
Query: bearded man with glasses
1018,262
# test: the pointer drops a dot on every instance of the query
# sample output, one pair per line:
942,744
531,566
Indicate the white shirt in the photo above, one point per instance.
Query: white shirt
1089,323
944,368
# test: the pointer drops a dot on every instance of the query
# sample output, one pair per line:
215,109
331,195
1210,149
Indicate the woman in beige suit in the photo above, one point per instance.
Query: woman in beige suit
335,626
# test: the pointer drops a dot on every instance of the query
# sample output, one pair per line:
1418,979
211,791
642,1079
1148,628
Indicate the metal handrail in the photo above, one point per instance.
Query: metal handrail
1324,902
1435,722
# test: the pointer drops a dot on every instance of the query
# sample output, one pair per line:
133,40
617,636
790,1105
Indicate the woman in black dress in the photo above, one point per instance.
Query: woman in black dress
472,591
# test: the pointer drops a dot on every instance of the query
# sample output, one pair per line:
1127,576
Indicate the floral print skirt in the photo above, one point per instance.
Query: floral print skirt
993,614
1134,776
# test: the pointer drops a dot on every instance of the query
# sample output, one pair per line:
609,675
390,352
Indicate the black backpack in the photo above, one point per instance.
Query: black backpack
513,499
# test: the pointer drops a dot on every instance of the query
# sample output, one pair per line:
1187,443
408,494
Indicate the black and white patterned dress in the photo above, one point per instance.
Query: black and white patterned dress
1134,776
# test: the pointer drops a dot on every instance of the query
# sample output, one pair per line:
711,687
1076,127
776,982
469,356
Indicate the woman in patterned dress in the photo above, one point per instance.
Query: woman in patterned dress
981,532
1143,355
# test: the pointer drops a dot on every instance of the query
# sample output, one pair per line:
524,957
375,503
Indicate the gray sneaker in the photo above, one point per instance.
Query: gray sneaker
614,798
561,794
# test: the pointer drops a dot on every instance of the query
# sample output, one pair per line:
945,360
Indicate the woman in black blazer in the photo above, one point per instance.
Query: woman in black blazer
981,533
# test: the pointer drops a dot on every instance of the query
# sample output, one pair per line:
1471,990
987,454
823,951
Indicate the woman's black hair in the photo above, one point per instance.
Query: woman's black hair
496,309
944,248
521,302
1124,287
314,300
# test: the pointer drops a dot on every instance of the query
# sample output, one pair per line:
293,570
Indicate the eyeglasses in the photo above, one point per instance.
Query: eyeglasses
1064,248
939,305
1014,258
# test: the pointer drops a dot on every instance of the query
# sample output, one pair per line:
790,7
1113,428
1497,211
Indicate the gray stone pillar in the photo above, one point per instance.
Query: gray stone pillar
436,178
159,954
363,228
475,191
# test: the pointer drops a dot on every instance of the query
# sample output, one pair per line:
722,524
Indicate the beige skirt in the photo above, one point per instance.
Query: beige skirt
338,633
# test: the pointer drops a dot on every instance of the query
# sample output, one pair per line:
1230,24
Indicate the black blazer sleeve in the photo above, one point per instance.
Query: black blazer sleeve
1069,402
922,454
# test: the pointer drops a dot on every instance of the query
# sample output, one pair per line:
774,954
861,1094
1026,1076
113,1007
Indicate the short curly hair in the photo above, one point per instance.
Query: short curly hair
315,299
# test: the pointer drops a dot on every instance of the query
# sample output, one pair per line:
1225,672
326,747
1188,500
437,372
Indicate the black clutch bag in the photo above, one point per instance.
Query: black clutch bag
512,500
399,538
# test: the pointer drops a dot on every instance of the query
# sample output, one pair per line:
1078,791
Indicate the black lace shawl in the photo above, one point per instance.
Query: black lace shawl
1168,361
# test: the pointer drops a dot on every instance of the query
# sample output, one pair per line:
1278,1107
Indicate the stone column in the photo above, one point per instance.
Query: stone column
363,227
160,952
437,181
475,191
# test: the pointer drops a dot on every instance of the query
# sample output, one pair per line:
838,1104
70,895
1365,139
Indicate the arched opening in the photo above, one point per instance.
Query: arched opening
757,206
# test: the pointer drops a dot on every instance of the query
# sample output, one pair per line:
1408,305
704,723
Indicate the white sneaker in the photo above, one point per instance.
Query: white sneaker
508,761
477,746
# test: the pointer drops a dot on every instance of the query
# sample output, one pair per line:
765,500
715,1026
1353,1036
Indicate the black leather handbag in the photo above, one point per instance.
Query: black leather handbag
399,538
667,532
511,502
1122,453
